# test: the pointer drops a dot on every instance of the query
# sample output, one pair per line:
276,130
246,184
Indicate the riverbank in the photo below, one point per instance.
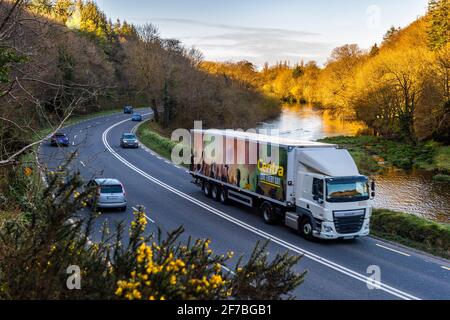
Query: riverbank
373,154
403,228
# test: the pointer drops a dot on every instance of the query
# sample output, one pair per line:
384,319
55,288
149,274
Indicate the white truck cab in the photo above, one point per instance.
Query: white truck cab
332,199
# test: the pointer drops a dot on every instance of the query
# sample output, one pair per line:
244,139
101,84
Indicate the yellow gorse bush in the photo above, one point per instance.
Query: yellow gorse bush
142,265
180,272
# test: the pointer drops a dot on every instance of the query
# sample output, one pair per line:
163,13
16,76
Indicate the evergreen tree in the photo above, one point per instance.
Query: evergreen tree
439,23
391,33
63,10
374,50
43,7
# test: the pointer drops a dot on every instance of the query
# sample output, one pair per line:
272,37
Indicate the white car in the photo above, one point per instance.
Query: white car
110,194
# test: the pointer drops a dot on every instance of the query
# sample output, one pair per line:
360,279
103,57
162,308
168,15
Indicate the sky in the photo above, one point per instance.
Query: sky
269,30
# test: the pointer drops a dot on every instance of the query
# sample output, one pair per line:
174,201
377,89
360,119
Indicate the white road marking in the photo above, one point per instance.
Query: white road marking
73,143
446,268
308,254
393,250
83,164
75,136
167,161
148,218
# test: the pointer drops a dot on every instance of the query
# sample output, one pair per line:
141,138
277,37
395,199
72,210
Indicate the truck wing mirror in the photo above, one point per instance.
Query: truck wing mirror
372,188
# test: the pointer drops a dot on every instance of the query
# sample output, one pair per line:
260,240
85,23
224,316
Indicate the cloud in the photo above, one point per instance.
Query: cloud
256,44
274,31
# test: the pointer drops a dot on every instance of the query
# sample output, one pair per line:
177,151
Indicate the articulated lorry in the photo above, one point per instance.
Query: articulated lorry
314,188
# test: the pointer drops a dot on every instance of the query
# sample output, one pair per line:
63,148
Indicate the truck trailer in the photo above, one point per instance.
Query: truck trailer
314,188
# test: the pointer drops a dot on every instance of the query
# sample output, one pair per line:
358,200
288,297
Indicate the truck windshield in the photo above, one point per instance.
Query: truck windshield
347,190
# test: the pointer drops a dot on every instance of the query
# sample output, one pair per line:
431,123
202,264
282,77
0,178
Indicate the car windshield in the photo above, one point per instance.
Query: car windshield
129,136
347,190
112,189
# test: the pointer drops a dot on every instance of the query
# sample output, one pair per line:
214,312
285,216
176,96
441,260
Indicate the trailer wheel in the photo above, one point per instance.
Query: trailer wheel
206,189
223,195
268,213
306,228
215,192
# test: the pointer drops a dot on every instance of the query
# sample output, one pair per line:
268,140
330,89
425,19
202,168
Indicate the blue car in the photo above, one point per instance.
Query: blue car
128,110
59,139
136,117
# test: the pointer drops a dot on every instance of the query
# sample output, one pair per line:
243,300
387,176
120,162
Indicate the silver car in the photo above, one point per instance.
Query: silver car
110,193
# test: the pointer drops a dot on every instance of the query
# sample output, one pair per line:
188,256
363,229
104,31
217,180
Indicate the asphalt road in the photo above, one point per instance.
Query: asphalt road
336,269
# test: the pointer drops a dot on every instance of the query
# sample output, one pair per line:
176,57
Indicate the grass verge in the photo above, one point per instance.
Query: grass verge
412,231
149,134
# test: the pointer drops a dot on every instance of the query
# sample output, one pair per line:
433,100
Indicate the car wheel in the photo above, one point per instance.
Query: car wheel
268,213
207,189
306,229
223,195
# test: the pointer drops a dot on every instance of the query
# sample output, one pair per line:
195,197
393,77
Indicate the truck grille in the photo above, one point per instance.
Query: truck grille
347,222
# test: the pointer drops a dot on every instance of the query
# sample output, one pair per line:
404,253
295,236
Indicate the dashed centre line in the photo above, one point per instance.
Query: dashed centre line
393,250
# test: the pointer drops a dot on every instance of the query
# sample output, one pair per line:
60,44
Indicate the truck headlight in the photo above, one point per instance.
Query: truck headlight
327,229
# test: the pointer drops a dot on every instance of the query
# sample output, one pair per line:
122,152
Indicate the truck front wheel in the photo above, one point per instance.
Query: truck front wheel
306,228
268,213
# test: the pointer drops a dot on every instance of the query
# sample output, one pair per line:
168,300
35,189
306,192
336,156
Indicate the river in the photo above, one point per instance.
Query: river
414,192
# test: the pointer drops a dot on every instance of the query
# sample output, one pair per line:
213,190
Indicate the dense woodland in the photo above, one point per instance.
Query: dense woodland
65,57
399,88
61,58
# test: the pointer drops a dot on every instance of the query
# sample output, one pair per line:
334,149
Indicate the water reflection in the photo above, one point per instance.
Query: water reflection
413,192
308,123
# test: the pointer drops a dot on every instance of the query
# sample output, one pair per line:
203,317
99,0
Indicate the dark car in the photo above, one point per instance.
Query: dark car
59,139
129,140
128,110
137,117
